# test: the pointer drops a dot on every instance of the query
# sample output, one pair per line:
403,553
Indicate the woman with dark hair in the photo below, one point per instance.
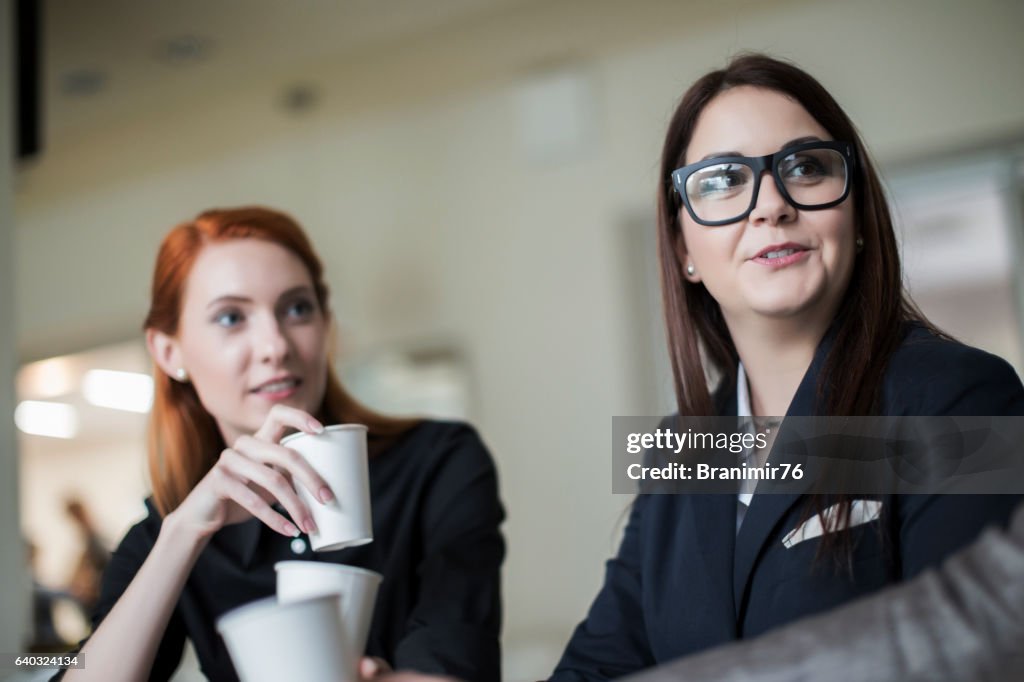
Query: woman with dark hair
239,329
781,276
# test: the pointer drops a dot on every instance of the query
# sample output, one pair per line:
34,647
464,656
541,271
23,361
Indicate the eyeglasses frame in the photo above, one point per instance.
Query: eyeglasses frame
760,164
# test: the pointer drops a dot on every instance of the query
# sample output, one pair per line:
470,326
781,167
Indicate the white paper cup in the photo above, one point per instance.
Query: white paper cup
339,456
301,641
298,580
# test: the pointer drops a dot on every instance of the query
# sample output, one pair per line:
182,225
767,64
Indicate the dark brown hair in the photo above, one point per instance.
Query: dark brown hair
869,323
184,441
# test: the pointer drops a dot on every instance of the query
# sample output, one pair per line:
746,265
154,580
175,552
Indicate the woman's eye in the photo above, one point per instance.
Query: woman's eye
806,167
301,309
228,318
721,179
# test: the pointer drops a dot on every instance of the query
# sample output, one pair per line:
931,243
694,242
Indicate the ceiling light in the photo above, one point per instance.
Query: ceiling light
47,378
129,391
39,418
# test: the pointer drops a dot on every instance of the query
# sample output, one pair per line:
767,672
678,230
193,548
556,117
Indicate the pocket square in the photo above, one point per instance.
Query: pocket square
861,511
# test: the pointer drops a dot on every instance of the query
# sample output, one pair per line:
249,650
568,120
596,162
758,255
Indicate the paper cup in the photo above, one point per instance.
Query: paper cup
300,642
297,580
339,456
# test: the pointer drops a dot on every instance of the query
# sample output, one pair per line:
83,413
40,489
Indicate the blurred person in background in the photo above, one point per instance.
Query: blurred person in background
84,583
45,636
239,329
781,275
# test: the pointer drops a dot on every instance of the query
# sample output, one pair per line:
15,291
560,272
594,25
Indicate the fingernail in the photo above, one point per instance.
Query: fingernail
309,525
316,426
292,530
326,495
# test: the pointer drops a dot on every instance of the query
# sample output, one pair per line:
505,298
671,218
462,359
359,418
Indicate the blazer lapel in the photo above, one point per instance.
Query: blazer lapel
712,518
768,509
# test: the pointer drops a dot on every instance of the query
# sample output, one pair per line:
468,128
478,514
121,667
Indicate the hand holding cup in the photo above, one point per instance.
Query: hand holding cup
338,455
252,474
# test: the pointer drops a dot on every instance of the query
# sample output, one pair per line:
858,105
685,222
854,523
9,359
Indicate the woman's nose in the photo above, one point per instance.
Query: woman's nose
270,344
771,208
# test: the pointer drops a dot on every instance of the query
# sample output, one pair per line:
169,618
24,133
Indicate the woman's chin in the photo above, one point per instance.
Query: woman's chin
784,307
785,302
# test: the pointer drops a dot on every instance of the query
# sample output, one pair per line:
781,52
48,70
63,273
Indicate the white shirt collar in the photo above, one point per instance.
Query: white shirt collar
742,393
742,410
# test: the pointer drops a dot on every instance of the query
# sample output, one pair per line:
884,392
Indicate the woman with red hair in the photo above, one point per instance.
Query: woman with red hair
239,328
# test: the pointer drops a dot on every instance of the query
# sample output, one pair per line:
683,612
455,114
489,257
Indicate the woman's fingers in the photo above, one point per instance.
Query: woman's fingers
231,487
246,470
289,460
368,668
371,667
281,418
260,461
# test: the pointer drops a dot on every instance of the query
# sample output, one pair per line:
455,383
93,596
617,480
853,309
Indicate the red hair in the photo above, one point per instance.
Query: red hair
184,441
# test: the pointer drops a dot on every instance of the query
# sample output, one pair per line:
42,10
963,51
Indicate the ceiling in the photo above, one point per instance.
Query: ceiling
104,59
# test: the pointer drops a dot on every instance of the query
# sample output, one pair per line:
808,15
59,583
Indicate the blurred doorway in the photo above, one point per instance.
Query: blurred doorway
960,227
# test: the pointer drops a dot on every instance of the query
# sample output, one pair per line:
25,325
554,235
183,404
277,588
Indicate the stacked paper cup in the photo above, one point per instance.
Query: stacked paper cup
317,626
269,641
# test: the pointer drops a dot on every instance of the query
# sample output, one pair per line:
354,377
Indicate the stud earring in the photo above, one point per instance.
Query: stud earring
860,243
690,270
181,375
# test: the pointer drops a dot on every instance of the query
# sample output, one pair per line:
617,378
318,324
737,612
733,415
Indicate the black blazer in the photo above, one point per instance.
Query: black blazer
684,581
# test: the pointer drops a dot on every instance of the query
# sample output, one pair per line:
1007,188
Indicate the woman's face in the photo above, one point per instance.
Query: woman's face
251,334
756,122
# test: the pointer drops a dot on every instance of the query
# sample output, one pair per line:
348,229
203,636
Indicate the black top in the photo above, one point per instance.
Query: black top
684,580
436,512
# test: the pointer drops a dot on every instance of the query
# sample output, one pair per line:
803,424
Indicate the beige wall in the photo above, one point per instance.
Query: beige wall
434,222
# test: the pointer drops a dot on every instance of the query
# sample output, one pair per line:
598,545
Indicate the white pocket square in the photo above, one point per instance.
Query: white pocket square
861,511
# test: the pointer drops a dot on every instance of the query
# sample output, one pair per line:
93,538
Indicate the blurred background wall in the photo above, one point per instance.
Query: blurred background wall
479,178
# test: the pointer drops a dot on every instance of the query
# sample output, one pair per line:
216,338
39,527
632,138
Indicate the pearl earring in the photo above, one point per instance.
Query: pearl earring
860,243
690,270
181,375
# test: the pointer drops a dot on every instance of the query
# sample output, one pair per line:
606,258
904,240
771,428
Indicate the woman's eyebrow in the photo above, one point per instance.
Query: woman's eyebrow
238,298
300,289
228,298
796,141
802,140
715,155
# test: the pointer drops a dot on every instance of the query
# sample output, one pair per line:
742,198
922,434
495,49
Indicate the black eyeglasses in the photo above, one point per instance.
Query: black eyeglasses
722,190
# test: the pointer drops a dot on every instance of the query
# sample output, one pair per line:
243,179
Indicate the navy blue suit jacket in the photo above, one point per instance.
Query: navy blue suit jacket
684,581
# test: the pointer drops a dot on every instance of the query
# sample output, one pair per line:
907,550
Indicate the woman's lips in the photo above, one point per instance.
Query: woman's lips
781,256
278,390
